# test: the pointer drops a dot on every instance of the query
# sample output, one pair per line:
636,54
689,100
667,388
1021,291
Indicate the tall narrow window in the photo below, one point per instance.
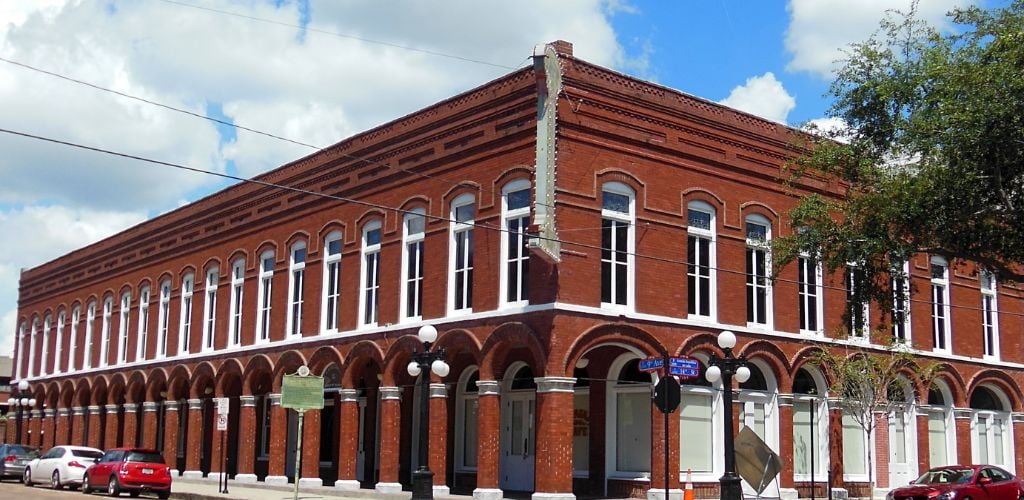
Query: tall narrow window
210,309
108,312
989,313
237,281
164,319
185,327
901,301
461,254
370,278
76,315
758,288
940,304
617,245
58,365
90,324
265,291
413,231
809,288
516,216
44,358
296,288
332,283
32,348
122,328
856,303
22,348
142,342
700,260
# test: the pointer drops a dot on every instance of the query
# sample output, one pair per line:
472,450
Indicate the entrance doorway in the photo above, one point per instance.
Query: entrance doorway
517,430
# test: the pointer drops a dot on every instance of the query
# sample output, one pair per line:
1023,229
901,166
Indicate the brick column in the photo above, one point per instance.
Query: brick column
171,424
390,429
35,425
882,457
246,440
786,441
489,441
835,441
12,423
438,462
278,442
131,423
47,429
553,463
923,445
149,423
194,443
110,433
63,434
348,440
78,436
962,419
310,473
1018,442
94,427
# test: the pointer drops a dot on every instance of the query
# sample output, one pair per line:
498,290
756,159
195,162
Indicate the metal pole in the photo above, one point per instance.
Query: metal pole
298,454
665,414
223,465
813,429
729,482
423,477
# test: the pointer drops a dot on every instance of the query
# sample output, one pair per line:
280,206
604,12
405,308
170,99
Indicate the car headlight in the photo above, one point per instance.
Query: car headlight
949,495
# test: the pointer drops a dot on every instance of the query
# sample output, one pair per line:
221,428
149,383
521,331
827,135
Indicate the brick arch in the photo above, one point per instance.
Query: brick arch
330,227
362,354
144,283
210,263
609,334
230,369
706,342
238,253
772,356
459,341
295,237
512,174
1000,379
136,391
804,357
954,380
758,208
52,394
166,276
187,268
414,201
463,187
502,340
125,288
83,393
201,377
258,366
99,391
289,362
322,358
265,246
621,176
702,194
117,388
398,356
178,382
156,384
368,216
67,394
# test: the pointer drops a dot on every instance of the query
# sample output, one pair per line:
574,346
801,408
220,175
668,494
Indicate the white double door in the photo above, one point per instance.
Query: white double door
902,448
517,441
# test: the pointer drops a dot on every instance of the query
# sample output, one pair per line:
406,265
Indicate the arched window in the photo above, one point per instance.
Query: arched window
108,312
701,259
515,214
629,419
759,296
941,438
142,340
370,274
44,358
32,348
940,304
991,441
237,296
185,325
332,283
264,295
163,319
90,322
296,288
460,278
58,357
23,348
618,218
122,327
810,426
76,315
414,226
210,308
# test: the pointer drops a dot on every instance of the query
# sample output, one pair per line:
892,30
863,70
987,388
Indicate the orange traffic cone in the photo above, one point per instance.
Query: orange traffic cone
688,492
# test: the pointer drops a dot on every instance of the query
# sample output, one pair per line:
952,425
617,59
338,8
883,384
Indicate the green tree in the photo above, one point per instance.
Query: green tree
930,156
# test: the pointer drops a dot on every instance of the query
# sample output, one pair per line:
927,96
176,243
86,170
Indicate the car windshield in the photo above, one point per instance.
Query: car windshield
945,476
87,454
147,457
22,451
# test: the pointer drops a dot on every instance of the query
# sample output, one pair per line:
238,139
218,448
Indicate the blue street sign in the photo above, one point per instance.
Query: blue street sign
684,372
684,366
651,364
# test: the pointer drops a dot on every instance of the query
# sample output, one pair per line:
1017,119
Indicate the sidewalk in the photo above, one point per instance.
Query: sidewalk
206,489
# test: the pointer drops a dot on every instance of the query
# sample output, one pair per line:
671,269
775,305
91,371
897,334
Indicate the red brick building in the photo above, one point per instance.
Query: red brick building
647,211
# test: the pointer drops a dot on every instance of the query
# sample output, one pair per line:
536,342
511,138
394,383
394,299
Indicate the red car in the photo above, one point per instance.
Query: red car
962,482
134,470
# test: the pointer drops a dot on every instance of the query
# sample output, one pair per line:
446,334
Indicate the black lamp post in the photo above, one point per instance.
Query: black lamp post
423,362
725,368
23,398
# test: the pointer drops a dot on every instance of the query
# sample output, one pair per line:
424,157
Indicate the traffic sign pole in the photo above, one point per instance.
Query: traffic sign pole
665,413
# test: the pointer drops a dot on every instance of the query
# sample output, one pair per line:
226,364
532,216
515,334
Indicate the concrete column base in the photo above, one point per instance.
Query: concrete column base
276,480
192,474
789,494
245,478
388,487
488,494
347,484
882,492
567,496
840,494
175,473
310,482
659,494
442,490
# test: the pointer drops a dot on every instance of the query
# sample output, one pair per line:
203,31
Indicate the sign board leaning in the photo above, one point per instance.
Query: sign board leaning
302,393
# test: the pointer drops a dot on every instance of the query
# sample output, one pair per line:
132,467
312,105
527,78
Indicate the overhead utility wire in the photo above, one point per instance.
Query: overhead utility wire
341,35
404,211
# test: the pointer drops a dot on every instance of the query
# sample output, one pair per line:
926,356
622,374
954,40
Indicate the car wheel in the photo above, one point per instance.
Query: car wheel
113,488
133,493
163,495
55,480
27,478
85,484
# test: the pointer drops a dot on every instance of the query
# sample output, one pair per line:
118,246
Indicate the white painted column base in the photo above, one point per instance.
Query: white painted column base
347,484
789,494
175,473
245,478
276,480
840,494
310,482
192,474
558,496
388,487
659,494
488,494
442,490
882,492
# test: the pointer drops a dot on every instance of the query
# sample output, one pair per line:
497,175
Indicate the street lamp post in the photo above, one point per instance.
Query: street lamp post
423,362
23,399
725,368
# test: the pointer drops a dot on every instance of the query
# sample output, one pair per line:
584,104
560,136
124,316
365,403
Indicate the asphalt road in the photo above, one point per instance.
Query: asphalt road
12,490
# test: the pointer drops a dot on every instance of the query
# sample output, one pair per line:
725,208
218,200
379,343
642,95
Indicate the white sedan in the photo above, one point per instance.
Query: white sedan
61,466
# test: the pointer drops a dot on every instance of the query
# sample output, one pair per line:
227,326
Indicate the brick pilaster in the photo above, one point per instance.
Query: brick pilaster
131,423
786,439
923,445
194,443
489,436
110,430
553,465
48,428
962,419
882,456
438,451
1018,442
35,425
348,439
171,424
149,423
63,434
310,472
390,430
78,436
278,441
835,440
95,432
246,438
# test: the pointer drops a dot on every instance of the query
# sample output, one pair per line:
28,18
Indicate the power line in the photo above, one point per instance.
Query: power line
425,215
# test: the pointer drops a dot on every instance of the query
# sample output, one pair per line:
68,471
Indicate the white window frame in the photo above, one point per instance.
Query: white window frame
611,422
709,234
142,338
868,449
630,220
808,294
210,309
945,411
22,348
296,288
108,312
32,347
90,325
412,242
76,316
58,350
463,399
714,393
45,349
940,312
753,287
1006,429
163,319
188,284
124,316
332,276
518,238
456,230
369,279
864,333
905,325
264,302
236,306
748,399
989,287
821,441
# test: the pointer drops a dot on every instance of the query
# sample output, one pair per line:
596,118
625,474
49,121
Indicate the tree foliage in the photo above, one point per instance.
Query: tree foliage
930,154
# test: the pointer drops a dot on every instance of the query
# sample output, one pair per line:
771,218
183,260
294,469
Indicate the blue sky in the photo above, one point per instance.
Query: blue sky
347,67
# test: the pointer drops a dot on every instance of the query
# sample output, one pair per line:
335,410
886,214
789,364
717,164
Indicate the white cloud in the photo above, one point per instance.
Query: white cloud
820,29
763,96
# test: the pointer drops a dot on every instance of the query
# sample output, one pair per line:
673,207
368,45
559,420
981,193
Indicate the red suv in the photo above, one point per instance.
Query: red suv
134,470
